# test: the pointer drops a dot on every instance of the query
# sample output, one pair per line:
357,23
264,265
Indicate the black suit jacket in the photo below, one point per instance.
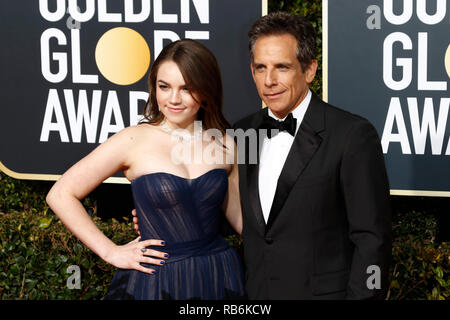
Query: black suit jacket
330,219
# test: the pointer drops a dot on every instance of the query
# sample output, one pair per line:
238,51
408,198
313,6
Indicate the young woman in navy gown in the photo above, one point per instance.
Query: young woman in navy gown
179,196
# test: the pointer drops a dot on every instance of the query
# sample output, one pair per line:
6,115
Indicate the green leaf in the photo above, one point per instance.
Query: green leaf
45,223
30,283
442,282
50,273
85,263
439,272
20,261
14,269
77,248
435,293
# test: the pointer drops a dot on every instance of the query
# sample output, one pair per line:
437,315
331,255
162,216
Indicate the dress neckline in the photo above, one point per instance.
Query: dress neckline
174,175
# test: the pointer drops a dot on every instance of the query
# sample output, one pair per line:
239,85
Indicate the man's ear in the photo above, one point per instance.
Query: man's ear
310,71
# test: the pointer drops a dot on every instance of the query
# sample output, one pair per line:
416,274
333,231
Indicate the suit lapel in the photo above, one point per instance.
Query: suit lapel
252,170
304,146
253,192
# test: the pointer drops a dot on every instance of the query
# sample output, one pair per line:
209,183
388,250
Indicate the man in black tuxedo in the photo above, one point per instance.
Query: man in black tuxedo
316,208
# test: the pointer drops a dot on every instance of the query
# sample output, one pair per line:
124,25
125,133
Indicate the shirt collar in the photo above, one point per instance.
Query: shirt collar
298,112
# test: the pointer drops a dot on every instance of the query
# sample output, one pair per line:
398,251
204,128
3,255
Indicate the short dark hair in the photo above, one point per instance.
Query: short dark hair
279,23
202,75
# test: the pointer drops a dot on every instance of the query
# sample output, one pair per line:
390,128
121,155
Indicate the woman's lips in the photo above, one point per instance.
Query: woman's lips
175,110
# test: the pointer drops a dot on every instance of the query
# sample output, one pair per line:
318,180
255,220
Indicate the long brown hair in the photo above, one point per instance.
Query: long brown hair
202,75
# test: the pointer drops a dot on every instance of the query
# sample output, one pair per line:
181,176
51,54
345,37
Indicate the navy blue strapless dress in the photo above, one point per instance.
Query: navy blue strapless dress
185,213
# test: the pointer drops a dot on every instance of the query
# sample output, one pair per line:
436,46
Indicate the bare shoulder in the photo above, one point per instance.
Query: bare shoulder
124,143
132,132
136,133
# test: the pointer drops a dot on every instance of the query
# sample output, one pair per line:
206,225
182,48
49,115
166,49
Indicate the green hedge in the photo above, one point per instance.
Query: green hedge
36,249
420,265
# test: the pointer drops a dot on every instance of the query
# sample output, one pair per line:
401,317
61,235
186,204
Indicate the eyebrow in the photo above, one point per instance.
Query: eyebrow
280,64
284,64
168,84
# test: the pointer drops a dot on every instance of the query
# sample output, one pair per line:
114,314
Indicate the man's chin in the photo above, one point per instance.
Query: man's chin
277,108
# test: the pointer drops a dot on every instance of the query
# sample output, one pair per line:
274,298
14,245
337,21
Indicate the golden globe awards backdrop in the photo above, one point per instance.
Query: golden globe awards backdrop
75,72
389,61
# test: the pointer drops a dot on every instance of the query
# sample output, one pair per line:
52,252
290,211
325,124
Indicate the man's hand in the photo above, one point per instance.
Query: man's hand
135,220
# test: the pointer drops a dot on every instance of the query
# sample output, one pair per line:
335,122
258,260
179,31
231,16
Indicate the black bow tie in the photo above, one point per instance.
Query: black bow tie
289,124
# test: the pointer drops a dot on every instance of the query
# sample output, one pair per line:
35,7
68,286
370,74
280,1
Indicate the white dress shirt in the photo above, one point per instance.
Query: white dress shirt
274,152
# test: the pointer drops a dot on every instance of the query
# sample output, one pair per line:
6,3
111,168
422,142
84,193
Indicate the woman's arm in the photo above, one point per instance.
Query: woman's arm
82,178
232,203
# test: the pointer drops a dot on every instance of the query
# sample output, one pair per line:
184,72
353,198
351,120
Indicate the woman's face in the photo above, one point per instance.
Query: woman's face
174,99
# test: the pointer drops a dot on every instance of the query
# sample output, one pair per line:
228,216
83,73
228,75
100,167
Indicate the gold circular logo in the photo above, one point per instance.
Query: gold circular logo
447,61
122,56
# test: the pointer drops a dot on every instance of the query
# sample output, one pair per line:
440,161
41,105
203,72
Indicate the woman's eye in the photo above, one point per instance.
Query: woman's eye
163,86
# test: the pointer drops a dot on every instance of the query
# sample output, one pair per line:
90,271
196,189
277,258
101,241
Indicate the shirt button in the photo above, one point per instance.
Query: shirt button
269,240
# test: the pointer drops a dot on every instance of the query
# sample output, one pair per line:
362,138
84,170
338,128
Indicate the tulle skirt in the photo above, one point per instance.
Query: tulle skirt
216,275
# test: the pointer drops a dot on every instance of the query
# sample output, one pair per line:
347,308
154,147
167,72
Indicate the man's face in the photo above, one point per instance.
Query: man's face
278,75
